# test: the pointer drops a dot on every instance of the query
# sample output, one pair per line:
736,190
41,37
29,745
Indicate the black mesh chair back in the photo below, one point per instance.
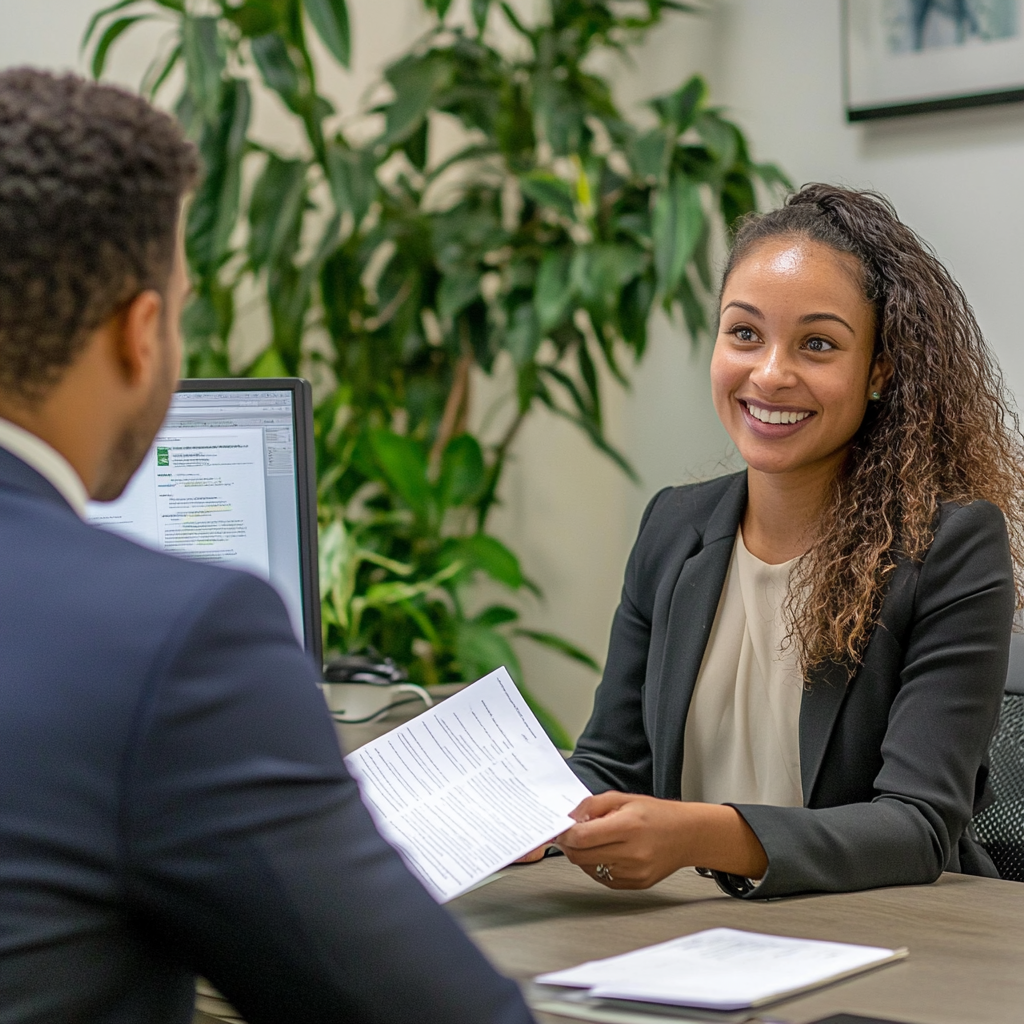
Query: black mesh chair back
1000,828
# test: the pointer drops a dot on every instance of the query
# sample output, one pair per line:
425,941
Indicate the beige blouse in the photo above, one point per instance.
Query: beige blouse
742,738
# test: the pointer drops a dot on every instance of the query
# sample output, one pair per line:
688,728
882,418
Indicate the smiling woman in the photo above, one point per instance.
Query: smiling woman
808,659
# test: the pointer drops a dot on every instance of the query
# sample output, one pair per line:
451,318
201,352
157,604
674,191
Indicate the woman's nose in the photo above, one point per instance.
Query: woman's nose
774,369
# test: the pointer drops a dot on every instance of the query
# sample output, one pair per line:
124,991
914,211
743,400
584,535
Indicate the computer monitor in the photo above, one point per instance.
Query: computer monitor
231,480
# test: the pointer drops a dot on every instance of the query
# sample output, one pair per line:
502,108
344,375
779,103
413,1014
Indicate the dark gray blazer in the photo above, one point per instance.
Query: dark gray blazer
893,763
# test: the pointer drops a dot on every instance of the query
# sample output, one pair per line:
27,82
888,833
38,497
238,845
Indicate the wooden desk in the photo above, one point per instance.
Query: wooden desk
965,935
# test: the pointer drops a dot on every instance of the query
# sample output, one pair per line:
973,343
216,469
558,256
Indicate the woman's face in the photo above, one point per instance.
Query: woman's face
792,372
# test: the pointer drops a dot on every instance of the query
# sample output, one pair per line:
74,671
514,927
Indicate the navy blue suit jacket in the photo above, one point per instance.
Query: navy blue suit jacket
173,800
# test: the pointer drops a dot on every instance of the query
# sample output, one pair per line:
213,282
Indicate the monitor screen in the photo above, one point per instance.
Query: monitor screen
229,480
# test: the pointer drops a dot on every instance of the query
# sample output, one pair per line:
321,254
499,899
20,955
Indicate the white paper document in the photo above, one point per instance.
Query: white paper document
721,969
467,787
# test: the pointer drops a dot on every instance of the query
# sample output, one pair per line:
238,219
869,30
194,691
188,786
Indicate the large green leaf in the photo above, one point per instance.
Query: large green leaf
738,197
720,137
204,64
634,311
110,35
159,71
678,109
177,6
562,112
552,293
102,13
677,225
440,7
456,292
214,210
255,17
600,270
649,154
417,146
404,464
462,472
693,310
773,176
549,190
416,80
481,649
275,211
278,69
522,335
330,19
492,557
480,10
560,644
352,174
496,615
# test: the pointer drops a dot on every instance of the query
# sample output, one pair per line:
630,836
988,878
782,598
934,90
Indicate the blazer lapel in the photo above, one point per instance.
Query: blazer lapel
819,709
691,615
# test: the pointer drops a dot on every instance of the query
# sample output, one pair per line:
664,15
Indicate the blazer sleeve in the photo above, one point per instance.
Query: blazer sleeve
614,751
249,853
939,726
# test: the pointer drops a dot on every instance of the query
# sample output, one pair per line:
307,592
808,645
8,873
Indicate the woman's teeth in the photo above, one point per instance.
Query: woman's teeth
774,415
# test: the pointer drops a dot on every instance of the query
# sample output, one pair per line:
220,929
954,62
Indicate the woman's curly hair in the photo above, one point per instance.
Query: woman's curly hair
945,428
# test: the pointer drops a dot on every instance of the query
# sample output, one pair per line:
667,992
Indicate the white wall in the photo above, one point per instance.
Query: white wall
955,177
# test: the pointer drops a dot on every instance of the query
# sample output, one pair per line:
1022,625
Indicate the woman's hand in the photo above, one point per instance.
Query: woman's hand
639,840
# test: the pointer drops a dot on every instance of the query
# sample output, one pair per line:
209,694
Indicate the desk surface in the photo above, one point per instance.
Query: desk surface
965,936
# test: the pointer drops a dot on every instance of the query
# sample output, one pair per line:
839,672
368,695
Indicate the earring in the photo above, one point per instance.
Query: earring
875,396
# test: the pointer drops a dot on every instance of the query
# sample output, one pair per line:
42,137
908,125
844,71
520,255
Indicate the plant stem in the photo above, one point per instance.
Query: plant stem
500,454
456,408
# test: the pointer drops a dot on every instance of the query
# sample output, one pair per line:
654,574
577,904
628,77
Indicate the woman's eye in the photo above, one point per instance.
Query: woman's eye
820,345
744,334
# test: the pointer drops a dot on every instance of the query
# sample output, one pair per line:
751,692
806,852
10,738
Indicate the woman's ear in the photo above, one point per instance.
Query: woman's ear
880,376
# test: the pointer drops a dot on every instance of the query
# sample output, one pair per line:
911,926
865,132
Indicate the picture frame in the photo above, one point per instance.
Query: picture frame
905,57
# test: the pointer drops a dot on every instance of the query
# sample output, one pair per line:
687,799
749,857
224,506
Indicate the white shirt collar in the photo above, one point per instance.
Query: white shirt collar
47,462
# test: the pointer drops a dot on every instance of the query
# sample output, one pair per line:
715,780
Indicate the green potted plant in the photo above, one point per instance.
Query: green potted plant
392,272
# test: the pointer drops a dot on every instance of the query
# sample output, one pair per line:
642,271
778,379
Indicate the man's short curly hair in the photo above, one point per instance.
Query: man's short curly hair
91,183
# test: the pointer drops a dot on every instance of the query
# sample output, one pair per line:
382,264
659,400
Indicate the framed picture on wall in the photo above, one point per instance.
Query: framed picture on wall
911,56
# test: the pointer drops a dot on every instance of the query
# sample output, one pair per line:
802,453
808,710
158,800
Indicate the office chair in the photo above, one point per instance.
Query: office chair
1000,828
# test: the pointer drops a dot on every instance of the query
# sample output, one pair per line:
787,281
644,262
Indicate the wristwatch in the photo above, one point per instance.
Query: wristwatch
735,885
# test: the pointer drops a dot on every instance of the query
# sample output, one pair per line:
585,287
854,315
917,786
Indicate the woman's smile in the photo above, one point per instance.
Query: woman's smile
773,421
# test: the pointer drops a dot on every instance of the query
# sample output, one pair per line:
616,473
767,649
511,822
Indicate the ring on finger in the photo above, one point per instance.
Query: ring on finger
604,873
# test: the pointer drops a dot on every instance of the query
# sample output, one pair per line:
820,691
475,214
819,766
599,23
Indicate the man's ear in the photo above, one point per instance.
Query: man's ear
136,338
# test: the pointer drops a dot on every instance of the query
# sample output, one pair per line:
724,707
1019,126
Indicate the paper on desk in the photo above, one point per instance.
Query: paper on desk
721,969
467,787
579,1005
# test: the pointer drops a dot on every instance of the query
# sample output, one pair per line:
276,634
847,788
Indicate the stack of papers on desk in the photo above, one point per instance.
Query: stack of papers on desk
467,787
720,972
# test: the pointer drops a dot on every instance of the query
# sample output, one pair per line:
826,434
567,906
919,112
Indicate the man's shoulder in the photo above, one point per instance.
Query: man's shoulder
93,575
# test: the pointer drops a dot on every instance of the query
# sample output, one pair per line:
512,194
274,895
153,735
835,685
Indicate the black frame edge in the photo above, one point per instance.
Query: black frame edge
983,99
